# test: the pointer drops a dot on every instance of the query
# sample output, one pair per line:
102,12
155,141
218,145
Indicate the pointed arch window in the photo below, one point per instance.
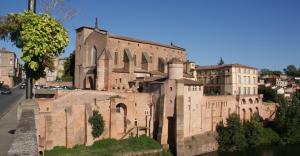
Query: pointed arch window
93,55
116,58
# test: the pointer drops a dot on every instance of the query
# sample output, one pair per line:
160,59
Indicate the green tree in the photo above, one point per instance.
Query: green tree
221,62
266,71
257,135
69,68
97,123
39,37
232,137
291,70
270,95
287,121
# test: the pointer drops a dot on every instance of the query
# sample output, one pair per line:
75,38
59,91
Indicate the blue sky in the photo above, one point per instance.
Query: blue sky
259,33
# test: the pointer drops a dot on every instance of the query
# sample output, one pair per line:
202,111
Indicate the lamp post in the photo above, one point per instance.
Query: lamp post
31,7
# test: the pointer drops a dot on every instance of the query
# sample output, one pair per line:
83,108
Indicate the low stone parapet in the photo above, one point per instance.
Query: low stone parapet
26,136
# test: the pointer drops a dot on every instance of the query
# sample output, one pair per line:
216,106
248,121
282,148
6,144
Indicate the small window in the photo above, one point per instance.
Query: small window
116,57
171,88
135,122
120,80
134,59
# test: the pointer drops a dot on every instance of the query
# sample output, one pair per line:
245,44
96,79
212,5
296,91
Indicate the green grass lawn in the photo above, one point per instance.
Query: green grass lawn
108,147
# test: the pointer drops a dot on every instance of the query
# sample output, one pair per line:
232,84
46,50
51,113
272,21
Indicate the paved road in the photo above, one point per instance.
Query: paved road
6,101
8,118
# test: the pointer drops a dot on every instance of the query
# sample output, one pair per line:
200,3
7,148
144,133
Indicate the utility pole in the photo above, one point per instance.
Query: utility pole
31,7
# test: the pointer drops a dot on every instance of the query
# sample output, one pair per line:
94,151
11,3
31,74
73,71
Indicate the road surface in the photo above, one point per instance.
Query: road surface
8,118
6,101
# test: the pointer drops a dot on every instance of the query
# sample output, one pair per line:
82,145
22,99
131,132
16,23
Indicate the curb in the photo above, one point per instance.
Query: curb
16,86
12,106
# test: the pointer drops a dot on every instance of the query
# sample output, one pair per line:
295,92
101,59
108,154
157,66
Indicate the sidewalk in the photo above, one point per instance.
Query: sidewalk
8,124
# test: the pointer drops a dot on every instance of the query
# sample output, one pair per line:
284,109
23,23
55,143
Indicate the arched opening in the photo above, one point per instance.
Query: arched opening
256,100
93,56
250,101
244,115
145,61
121,108
161,65
88,83
251,112
243,101
257,110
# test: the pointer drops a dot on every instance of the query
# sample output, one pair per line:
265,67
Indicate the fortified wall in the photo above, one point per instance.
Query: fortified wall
139,87
64,119
172,110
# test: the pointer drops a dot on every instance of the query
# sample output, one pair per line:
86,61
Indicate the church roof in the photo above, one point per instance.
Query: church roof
189,82
146,42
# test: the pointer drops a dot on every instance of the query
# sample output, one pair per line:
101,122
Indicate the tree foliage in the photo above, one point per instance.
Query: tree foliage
40,38
221,62
238,136
270,95
232,137
287,121
266,71
69,68
292,70
97,123
257,135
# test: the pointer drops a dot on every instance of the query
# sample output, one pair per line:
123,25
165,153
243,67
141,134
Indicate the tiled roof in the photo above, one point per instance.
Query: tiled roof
189,82
120,70
156,72
172,46
5,51
222,66
187,75
145,41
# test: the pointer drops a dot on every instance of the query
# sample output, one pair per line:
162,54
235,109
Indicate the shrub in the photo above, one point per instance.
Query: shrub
97,123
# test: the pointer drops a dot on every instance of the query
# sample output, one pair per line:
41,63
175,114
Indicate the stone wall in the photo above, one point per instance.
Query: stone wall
200,144
118,57
26,136
64,119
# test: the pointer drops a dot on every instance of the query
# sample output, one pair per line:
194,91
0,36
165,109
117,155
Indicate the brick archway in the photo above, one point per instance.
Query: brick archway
122,108
89,83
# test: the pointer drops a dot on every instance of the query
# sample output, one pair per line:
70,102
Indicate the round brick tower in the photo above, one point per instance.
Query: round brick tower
175,68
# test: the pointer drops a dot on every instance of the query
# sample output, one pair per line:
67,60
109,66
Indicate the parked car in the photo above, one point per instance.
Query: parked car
5,90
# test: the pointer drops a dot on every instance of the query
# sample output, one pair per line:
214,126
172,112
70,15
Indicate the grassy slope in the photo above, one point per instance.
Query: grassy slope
107,147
